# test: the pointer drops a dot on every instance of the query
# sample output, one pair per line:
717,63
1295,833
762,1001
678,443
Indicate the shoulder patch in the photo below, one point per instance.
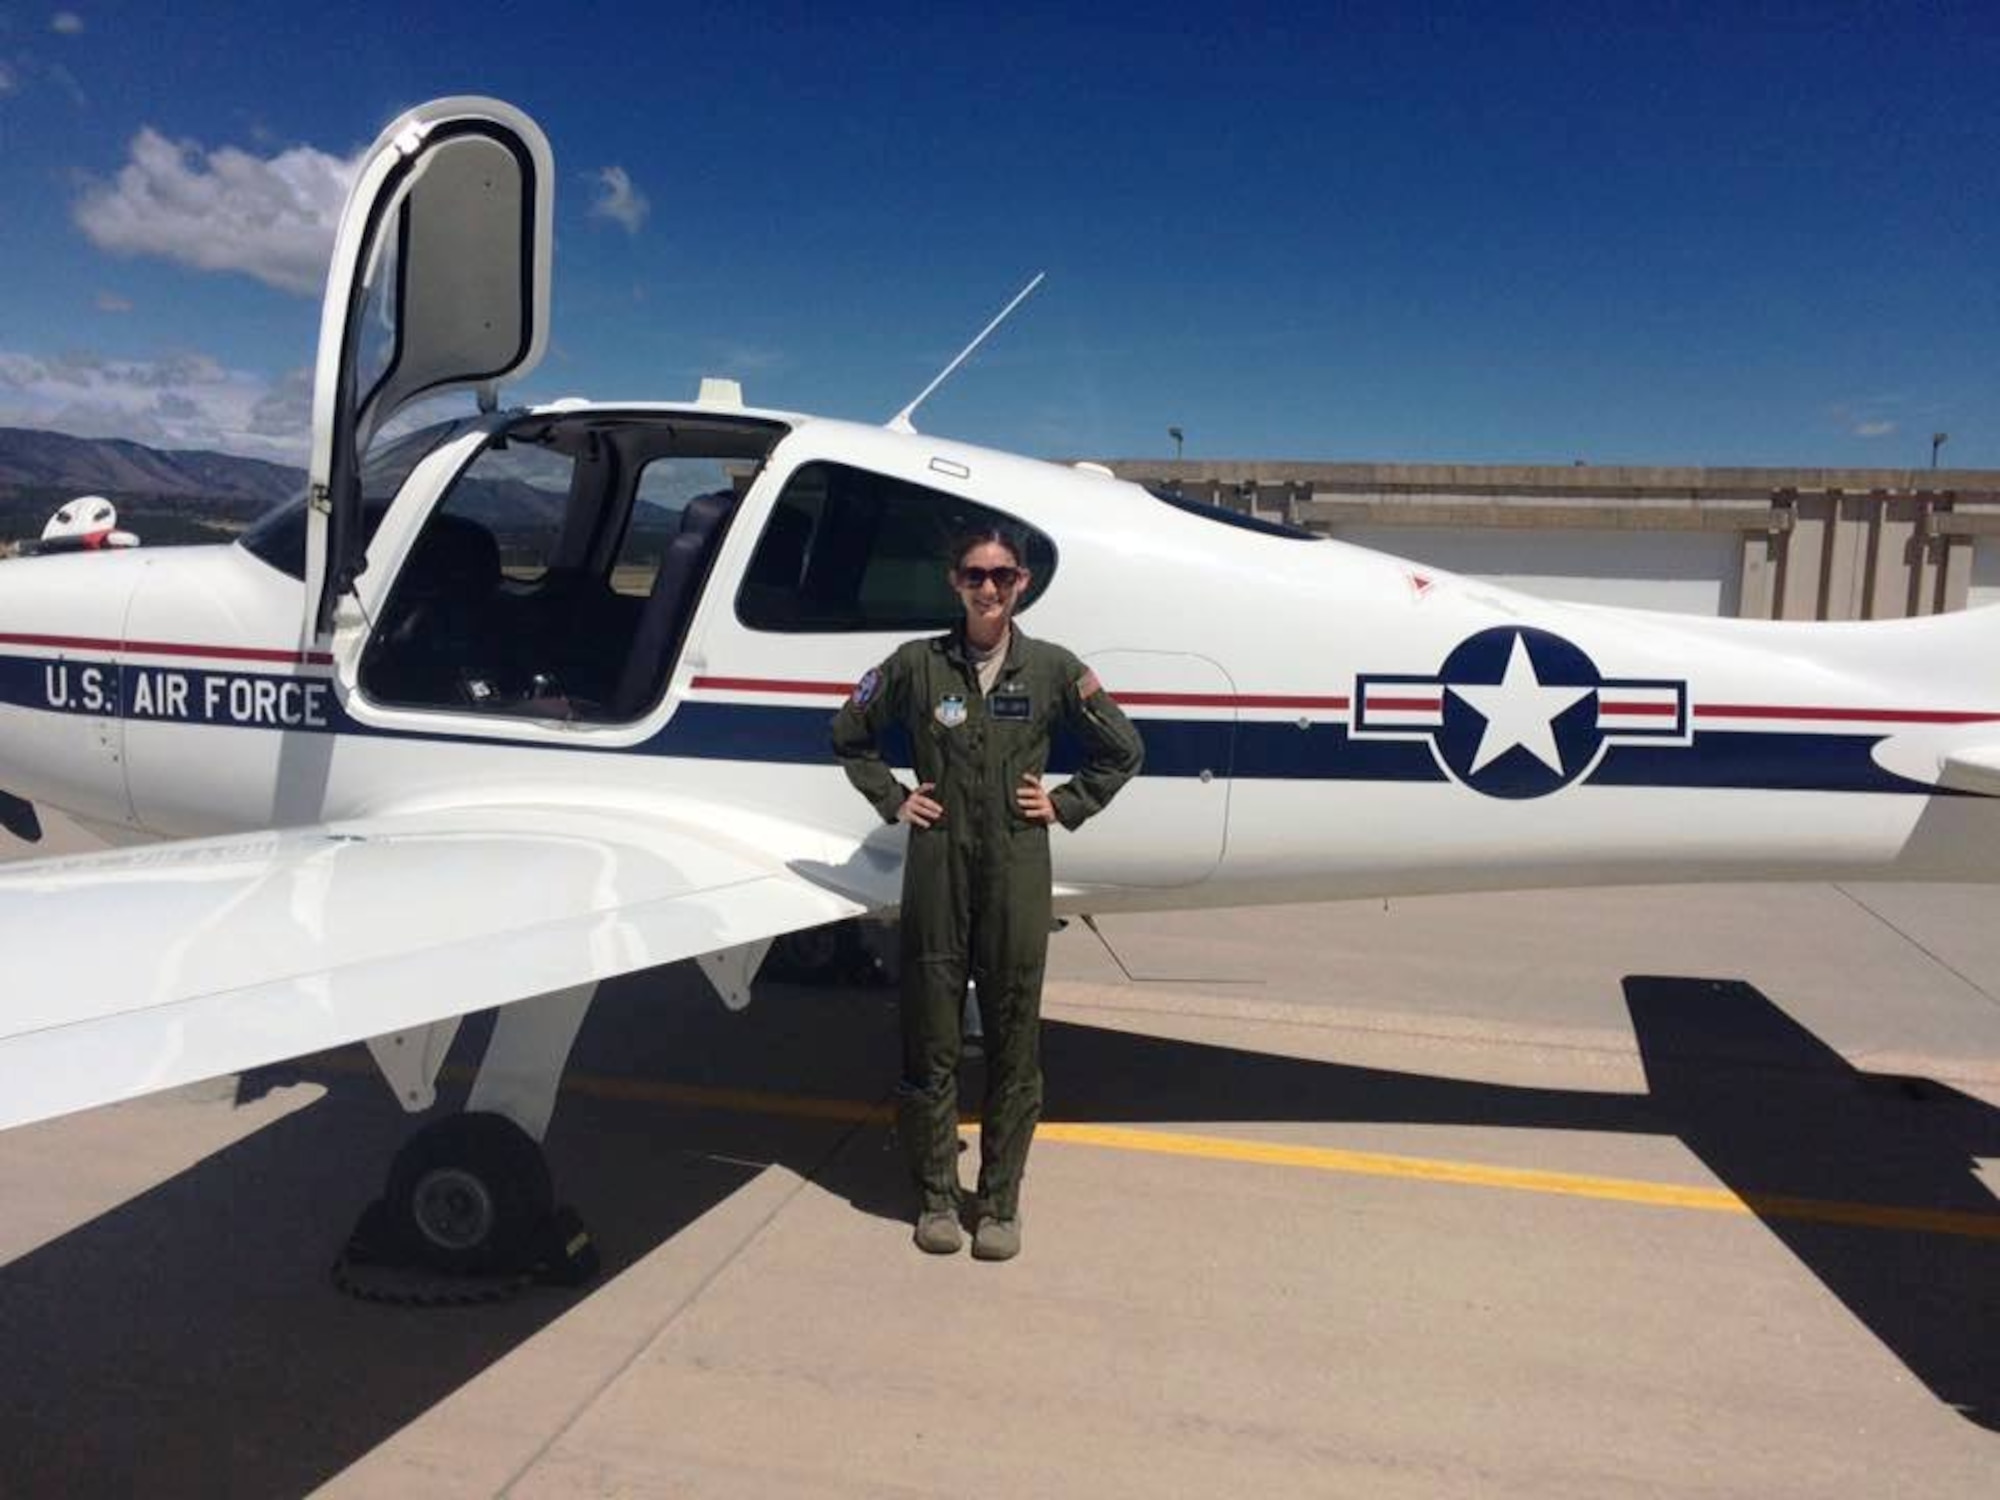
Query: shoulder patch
865,690
1087,684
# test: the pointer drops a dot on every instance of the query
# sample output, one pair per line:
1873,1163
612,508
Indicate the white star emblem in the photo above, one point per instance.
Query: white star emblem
1518,710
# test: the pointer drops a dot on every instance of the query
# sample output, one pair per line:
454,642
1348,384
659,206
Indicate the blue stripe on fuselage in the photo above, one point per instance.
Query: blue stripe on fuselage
1252,750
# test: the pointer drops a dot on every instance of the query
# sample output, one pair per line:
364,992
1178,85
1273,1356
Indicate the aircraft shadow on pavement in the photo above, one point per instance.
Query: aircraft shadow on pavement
189,1341
1771,1109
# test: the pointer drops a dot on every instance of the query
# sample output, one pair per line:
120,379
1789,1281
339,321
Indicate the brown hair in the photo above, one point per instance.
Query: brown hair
979,536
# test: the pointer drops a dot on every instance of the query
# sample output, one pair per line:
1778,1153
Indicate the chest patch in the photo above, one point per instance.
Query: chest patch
950,711
1018,707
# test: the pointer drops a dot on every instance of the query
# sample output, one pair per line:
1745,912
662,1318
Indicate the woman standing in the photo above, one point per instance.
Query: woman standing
978,705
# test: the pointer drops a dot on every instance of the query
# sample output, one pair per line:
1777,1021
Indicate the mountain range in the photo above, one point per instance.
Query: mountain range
178,496
114,467
167,496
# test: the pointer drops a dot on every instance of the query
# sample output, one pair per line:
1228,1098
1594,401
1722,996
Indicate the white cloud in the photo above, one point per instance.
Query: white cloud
618,200
1874,429
8,82
183,401
111,302
283,414
226,210
66,23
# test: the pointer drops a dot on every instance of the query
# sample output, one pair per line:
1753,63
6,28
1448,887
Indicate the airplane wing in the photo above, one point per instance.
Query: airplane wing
1972,768
136,970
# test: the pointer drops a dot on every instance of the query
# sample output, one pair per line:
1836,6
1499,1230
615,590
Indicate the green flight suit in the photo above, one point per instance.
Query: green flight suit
976,884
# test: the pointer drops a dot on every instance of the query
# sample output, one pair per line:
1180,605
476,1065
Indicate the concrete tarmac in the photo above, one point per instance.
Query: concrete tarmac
1638,1192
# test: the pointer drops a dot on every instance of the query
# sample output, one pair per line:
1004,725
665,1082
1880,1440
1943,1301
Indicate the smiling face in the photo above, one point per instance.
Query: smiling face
990,580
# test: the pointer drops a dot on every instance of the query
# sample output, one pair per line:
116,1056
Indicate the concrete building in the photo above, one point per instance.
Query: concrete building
1780,544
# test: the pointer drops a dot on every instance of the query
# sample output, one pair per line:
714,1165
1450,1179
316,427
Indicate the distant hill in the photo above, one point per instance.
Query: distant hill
172,497
166,496
113,466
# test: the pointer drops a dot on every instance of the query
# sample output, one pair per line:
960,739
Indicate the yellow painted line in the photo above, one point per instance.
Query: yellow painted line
1529,1180
732,1101
1951,1222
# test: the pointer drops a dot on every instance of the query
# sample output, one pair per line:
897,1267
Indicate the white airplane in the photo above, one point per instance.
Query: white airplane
513,704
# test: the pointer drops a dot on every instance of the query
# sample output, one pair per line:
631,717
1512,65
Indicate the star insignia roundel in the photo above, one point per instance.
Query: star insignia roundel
1520,713
1516,712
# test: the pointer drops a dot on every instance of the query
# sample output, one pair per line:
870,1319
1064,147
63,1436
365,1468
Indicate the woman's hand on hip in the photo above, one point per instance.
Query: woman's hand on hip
1033,800
920,809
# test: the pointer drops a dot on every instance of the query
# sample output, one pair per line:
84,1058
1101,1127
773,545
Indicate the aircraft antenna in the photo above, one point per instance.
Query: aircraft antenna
901,421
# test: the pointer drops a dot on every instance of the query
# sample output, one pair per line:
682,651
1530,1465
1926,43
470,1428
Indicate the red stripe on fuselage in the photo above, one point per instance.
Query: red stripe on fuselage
771,685
1224,700
1406,705
1143,700
170,648
1851,715
1795,712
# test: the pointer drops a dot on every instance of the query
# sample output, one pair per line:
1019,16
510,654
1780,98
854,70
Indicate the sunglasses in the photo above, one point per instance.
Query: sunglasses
975,578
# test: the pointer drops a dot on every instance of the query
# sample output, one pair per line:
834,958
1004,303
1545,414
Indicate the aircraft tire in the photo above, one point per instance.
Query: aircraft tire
471,1195
815,955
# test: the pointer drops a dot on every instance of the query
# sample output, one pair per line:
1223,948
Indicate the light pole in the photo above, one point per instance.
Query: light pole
1178,436
1937,442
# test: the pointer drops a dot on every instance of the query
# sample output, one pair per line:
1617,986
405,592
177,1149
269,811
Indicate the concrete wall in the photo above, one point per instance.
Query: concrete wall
1781,544
1692,573
1985,585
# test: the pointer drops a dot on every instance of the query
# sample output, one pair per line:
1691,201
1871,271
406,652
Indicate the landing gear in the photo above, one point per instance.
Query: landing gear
849,952
470,1194
469,1212
814,954
469,1215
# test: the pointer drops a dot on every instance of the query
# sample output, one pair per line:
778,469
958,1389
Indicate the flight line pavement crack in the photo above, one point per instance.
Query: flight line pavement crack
1957,973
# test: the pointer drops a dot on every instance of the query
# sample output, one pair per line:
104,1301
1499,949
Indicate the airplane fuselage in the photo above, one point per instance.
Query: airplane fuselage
1321,721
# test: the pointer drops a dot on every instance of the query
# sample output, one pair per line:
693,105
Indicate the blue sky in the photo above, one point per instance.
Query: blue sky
1665,233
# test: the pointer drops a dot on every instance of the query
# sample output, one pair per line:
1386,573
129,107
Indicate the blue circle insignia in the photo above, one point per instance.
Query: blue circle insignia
1519,712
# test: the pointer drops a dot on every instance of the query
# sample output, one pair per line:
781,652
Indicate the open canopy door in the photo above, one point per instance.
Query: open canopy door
439,281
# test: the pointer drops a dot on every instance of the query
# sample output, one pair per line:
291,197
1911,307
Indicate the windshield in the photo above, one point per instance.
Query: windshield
1230,517
279,536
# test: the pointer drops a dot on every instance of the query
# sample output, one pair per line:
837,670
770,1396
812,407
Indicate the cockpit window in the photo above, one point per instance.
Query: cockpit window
278,537
846,549
557,577
381,333
1230,517
666,487
517,493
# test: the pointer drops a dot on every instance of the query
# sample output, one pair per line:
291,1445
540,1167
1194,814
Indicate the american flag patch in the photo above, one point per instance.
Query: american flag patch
1087,684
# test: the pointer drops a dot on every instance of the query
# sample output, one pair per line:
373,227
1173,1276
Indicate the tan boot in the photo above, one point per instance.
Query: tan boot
938,1232
996,1239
